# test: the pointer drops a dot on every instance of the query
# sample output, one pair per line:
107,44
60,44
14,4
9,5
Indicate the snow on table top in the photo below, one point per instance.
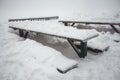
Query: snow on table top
55,28
99,43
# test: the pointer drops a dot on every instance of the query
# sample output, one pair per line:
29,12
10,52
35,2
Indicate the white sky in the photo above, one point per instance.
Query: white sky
41,7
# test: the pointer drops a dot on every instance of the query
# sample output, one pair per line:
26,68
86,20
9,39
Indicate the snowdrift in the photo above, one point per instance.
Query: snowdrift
18,62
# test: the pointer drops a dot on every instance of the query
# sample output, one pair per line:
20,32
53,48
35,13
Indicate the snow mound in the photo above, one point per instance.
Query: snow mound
103,41
18,62
64,64
32,55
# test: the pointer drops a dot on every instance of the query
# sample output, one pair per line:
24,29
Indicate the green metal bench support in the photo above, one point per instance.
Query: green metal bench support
25,34
81,50
114,28
21,33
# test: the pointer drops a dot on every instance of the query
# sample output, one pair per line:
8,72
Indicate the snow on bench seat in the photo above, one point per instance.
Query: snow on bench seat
103,41
99,43
55,28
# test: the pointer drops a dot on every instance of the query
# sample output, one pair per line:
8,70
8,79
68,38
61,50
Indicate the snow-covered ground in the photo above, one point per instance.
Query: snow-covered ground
22,59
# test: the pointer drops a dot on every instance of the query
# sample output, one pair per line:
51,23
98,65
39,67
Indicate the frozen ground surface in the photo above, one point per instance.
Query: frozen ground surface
21,59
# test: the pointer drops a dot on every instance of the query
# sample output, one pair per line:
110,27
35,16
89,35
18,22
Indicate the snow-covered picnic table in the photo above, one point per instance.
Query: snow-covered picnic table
54,28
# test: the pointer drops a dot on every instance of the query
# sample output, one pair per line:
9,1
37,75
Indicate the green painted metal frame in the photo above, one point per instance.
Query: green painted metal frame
81,50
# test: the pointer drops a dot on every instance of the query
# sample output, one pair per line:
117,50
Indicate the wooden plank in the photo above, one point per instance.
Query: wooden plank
63,72
97,50
87,22
40,18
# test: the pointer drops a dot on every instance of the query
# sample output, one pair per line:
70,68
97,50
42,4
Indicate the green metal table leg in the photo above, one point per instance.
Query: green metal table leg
65,23
26,34
83,48
73,24
21,34
114,28
74,47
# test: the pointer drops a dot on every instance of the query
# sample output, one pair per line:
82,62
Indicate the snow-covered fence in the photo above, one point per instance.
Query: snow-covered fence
33,19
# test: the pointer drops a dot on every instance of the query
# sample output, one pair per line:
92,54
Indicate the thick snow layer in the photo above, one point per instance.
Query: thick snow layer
30,54
17,62
63,64
99,42
54,28
103,41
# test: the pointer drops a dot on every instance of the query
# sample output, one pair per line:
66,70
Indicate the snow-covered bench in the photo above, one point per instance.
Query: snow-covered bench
53,28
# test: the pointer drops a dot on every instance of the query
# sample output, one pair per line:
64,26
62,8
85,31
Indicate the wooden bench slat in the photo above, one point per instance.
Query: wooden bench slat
89,22
40,18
